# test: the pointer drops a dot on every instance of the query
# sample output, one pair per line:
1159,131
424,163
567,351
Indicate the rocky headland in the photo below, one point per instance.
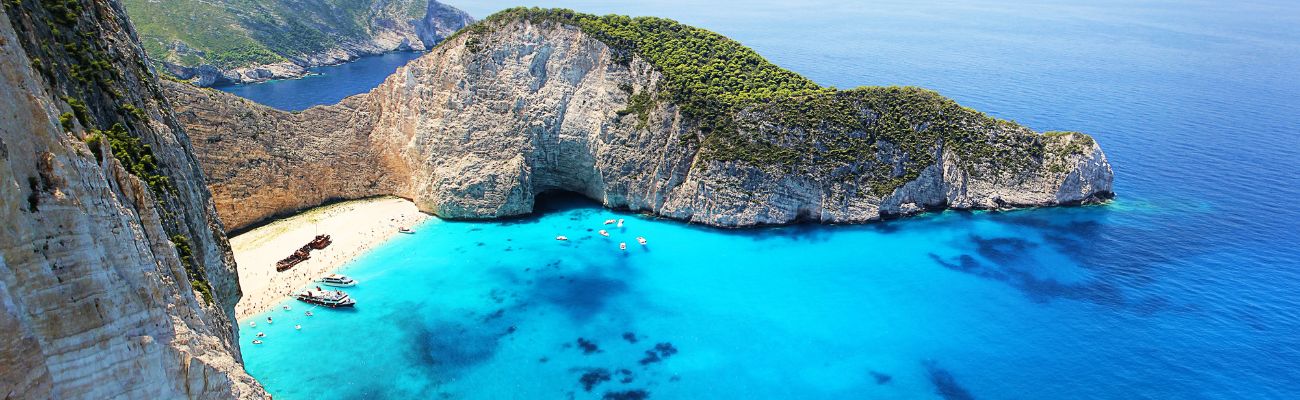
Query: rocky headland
211,42
643,114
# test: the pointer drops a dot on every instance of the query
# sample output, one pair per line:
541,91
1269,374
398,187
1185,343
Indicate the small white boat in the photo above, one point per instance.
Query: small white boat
603,233
257,342
641,240
609,221
620,222
561,238
403,229
297,327
336,280
622,246
260,334
309,314
287,308
252,324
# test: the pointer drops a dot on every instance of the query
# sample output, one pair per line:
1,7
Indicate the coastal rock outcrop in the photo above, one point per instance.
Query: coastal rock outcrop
116,279
223,41
530,101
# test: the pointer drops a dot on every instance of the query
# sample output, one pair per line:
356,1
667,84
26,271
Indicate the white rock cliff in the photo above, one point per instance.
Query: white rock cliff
100,271
485,122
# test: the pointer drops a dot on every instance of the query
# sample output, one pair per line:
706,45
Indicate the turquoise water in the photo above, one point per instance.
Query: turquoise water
1187,286
326,85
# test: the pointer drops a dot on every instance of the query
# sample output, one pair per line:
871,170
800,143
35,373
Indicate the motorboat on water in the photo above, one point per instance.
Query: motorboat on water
620,222
403,229
641,240
622,246
337,280
561,238
609,221
604,233
327,298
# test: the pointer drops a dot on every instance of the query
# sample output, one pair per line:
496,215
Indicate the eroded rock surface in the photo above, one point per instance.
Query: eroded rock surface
486,121
116,279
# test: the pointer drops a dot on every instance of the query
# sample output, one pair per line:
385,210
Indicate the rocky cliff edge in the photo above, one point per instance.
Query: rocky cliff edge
116,279
532,100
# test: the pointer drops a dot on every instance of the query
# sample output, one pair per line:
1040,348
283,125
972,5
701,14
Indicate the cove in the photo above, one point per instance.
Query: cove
946,304
1184,287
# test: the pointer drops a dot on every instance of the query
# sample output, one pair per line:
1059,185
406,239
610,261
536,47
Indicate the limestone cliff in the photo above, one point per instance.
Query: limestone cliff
116,279
239,41
536,100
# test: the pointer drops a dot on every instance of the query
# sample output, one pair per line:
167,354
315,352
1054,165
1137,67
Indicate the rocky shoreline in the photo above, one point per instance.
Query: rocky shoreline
486,121
421,34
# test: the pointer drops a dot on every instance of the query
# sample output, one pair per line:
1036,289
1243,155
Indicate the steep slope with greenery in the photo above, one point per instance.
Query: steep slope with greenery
753,111
638,113
116,277
229,35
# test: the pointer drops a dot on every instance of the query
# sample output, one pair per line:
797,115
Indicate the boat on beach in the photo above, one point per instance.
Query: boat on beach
320,242
302,254
337,280
327,298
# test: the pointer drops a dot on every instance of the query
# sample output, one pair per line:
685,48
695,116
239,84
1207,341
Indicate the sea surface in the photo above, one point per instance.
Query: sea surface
325,85
1187,286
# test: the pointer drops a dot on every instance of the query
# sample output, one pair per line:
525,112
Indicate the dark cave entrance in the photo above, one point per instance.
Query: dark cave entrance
559,200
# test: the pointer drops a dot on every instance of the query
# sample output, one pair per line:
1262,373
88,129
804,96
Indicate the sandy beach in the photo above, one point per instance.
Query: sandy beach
355,227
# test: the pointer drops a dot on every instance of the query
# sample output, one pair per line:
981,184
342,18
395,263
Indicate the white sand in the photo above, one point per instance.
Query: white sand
355,227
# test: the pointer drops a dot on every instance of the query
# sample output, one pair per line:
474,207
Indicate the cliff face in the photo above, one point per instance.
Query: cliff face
116,280
226,41
491,118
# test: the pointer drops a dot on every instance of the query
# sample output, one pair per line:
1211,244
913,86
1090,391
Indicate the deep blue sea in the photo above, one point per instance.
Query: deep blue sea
325,85
1187,286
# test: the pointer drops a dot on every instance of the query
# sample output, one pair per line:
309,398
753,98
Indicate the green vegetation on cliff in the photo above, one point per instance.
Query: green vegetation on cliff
750,110
239,33
104,85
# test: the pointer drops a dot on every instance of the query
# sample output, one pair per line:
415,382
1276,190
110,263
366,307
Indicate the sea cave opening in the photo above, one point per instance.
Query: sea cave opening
560,200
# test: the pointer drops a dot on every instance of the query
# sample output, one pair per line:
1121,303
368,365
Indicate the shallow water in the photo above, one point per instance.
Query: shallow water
1187,286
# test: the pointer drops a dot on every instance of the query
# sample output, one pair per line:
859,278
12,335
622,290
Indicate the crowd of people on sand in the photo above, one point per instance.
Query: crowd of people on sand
286,283
619,224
